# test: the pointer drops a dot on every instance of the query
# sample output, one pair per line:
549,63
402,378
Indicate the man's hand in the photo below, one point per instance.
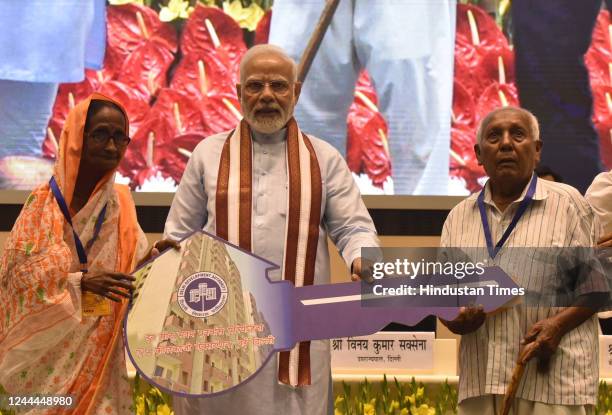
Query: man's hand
542,341
361,272
157,248
468,320
112,285
605,241
356,270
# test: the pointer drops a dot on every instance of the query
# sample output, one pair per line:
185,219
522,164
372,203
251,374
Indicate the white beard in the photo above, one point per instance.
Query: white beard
267,125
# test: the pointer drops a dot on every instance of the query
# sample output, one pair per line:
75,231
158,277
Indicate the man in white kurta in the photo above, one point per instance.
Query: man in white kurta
344,218
599,195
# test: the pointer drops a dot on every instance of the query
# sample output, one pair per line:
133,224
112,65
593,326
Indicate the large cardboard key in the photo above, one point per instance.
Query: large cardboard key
207,318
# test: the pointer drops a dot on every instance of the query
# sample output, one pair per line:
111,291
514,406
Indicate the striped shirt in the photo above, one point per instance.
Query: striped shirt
557,217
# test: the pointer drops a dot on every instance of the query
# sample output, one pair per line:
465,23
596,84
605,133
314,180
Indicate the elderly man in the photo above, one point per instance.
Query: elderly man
279,193
516,209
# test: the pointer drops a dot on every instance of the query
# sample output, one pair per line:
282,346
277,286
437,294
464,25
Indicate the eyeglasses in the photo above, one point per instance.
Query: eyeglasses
278,87
102,135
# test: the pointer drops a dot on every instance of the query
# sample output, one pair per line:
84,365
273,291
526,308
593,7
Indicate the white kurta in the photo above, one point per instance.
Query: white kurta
599,195
344,218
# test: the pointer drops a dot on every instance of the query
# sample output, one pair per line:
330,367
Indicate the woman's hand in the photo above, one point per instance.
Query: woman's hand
112,285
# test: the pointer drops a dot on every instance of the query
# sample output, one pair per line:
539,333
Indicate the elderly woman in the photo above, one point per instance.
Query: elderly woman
63,274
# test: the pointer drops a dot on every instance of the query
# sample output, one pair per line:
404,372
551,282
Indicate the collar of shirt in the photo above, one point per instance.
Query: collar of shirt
276,137
540,193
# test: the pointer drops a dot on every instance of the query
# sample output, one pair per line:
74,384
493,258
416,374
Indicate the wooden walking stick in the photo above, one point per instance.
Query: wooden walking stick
316,39
517,374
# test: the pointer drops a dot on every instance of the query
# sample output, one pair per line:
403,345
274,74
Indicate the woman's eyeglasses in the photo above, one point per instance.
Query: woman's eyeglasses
102,135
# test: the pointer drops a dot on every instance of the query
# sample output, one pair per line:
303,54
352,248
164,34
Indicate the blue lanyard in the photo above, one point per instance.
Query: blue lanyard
81,251
519,212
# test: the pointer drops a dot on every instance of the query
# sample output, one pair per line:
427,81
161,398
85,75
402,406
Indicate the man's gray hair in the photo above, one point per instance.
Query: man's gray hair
266,48
534,126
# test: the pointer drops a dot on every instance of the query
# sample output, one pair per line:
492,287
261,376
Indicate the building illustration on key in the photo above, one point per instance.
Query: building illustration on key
215,369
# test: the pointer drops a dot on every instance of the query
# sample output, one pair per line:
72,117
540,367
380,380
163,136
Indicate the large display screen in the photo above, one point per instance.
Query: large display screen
398,87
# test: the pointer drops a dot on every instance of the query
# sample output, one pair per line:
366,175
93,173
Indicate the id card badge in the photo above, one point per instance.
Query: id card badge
91,304
94,305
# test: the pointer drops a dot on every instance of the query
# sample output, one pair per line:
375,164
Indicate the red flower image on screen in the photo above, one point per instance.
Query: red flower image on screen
178,84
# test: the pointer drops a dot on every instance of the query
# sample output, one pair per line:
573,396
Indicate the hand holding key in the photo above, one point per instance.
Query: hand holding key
470,319
211,298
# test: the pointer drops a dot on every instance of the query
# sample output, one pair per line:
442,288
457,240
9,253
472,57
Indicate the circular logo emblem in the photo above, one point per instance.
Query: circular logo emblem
202,294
